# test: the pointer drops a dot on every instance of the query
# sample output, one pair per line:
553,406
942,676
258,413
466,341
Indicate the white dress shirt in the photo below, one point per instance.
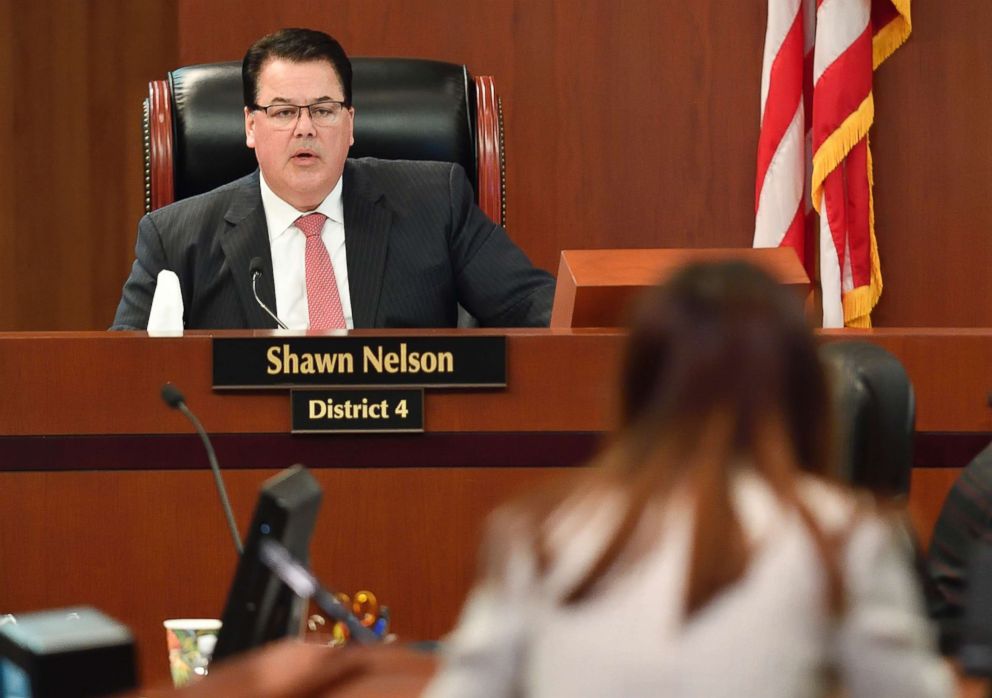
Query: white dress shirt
288,244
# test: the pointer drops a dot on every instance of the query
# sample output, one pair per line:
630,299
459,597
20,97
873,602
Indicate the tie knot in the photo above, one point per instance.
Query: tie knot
311,224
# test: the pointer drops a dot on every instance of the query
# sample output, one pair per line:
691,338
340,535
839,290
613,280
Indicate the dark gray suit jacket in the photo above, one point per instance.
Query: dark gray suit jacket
417,245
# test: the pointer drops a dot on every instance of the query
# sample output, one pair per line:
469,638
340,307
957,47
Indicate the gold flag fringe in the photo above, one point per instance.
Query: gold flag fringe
859,302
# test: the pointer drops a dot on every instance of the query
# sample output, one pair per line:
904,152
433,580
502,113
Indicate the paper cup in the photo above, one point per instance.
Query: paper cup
191,644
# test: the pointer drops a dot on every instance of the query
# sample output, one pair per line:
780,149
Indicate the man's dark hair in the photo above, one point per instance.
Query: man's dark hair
298,46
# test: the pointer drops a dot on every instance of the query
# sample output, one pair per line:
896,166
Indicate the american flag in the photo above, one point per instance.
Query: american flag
813,154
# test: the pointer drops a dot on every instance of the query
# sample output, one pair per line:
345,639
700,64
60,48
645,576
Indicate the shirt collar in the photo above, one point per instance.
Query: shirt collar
280,215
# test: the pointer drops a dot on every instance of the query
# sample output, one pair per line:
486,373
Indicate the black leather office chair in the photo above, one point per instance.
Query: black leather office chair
405,109
875,409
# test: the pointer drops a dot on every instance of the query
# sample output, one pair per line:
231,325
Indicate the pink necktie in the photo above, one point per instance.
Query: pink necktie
323,301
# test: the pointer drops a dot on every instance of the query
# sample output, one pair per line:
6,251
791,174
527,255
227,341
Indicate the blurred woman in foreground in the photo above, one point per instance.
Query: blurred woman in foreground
708,552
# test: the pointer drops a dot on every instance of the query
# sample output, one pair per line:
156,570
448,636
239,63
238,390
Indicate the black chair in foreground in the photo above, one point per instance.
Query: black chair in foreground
875,408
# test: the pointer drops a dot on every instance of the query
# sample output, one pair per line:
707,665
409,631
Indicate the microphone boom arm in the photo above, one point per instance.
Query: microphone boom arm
215,468
255,273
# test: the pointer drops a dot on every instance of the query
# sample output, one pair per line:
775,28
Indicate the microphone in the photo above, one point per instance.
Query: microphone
174,399
255,269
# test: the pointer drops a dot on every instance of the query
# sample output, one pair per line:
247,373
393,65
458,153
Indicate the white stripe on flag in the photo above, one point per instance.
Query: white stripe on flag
833,309
780,19
782,189
838,24
847,281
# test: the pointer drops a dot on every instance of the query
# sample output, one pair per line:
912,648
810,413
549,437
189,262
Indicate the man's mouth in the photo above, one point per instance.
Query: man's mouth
304,155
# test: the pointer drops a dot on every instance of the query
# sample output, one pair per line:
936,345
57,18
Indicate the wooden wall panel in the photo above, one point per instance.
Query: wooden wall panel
8,280
635,123
91,461
613,135
71,184
378,529
628,124
929,489
933,162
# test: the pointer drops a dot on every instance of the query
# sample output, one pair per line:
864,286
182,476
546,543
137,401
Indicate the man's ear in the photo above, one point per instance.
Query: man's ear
249,128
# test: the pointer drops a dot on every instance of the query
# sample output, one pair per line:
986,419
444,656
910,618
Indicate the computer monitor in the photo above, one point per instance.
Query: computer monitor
260,608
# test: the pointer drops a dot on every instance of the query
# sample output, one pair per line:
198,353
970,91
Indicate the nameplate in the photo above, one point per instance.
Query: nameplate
288,362
357,410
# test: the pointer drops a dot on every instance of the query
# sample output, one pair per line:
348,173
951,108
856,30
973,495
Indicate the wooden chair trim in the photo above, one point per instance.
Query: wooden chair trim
489,149
160,145
502,164
146,141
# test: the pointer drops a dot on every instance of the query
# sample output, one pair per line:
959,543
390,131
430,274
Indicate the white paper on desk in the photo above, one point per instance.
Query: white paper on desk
166,316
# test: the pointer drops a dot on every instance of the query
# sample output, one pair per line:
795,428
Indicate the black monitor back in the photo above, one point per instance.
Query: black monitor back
260,608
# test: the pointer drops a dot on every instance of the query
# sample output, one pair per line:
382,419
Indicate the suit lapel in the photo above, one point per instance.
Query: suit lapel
366,229
246,237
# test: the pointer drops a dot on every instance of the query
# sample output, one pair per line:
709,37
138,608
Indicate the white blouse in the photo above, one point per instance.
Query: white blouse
769,635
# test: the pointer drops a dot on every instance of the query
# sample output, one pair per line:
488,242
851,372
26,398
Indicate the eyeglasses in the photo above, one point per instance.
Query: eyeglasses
285,116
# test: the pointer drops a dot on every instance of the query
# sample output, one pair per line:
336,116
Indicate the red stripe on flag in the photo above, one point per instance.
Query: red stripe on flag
882,12
810,228
858,231
835,208
784,94
842,88
795,237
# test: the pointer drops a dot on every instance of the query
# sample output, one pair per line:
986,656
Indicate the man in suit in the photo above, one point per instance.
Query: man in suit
963,527
350,243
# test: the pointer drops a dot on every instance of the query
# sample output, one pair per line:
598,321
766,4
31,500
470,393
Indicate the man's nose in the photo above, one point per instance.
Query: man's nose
304,124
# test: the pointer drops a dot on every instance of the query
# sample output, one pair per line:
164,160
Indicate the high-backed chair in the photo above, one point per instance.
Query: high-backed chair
875,409
405,109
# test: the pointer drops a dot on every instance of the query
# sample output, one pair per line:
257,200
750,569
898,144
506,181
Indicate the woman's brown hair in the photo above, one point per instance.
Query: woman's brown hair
720,370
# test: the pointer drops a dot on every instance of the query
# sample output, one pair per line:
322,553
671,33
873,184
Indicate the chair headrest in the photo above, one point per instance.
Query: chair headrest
405,109
875,410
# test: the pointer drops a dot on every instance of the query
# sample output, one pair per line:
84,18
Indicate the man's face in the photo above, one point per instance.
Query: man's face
303,163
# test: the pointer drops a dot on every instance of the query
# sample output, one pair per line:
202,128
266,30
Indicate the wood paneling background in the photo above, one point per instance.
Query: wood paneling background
73,74
380,529
933,158
629,124
624,125
107,500
635,124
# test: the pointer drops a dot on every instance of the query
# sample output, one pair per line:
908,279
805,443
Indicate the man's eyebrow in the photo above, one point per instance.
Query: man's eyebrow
284,100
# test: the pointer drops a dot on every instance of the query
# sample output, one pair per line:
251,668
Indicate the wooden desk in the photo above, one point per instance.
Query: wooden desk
107,499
